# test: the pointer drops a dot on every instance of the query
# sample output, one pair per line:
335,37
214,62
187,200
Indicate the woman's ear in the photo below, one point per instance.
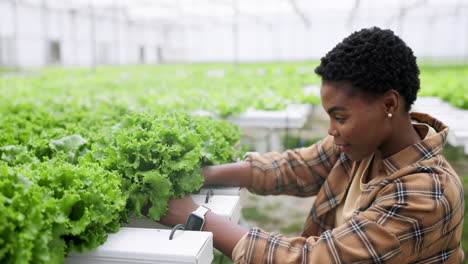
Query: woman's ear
391,101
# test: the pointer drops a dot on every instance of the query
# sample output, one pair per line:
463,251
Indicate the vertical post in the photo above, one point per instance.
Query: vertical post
401,17
92,35
45,31
261,140
276,44
352,14
15,35
61,39
116,32
465,60
274,140
183,30
129,38
235,33
74,37
156,37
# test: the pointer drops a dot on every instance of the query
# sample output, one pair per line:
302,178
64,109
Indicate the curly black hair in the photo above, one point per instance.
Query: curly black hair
374,61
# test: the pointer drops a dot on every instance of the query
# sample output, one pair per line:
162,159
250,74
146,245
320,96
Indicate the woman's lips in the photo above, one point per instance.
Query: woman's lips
344,148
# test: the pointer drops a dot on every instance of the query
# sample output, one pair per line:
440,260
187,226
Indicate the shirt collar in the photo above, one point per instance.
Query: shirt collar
430,146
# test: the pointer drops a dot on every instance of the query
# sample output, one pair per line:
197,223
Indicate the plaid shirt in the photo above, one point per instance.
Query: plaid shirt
412,215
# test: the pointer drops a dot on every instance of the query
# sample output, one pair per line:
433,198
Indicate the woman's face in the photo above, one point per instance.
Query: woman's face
357,124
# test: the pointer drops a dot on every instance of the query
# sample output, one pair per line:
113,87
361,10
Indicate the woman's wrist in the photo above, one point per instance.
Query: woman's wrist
226,234
178,211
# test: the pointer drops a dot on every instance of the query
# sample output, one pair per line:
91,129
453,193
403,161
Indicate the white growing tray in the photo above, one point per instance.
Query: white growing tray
228,190
294,116
141,245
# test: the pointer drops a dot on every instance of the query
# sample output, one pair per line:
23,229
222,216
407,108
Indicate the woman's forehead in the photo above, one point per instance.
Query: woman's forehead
341,95
335,90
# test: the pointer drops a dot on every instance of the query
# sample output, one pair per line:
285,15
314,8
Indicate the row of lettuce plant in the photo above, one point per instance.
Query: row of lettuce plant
450,83
70,175
222,89
231,90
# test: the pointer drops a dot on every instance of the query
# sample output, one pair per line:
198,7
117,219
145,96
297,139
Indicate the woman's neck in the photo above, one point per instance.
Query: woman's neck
402,136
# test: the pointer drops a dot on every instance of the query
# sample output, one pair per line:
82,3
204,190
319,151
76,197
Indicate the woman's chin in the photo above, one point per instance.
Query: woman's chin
354,156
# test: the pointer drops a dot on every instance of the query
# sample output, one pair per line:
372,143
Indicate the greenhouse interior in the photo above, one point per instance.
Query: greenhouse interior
119,117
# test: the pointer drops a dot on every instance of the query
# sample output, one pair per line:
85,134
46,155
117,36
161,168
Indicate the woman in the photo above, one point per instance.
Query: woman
384,192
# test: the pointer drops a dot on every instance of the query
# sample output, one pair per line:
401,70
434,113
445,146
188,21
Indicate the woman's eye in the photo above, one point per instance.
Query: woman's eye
339,118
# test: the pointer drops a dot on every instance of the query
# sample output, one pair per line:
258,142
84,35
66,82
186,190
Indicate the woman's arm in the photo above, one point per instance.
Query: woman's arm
237,174
299,172
226,234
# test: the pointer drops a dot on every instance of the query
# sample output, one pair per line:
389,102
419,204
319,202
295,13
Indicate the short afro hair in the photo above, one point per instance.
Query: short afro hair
373,61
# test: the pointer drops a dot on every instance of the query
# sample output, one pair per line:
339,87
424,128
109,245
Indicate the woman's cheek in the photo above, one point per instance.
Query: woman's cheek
348,133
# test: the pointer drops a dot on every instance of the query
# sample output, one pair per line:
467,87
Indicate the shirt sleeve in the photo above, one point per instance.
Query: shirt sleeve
340,245
299,172
239,249
404,223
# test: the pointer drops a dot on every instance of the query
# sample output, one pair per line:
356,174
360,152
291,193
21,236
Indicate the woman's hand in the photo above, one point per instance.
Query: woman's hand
178,211
226,234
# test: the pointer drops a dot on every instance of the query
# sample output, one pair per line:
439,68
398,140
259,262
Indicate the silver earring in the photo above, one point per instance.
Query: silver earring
389,115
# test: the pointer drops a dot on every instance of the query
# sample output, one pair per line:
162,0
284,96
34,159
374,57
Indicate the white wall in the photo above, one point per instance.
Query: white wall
114,40
439,34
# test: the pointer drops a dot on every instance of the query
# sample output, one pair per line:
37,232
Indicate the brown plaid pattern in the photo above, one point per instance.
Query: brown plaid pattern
412,215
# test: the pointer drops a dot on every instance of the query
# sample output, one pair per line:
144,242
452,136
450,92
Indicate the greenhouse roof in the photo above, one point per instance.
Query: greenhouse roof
258,11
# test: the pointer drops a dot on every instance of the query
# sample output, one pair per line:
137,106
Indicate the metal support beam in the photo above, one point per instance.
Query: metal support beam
352,14
45,29
402,13
15,34
74,36
115,14
235,33
244,14
92,34
301,14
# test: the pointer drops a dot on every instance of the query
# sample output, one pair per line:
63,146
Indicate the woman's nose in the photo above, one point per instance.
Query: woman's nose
332,131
